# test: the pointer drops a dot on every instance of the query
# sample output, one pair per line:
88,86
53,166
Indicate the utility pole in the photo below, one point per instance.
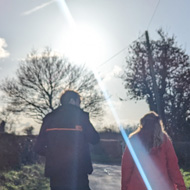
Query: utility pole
152,73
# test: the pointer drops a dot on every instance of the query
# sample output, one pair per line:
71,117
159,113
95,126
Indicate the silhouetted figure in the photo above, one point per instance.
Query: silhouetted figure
156,154
2,126
63,140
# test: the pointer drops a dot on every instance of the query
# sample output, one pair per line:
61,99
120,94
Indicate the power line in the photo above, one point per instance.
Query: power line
119,52
116,54
153,14
113,56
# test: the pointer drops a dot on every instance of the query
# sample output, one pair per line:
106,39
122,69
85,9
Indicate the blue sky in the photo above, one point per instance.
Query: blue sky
105,28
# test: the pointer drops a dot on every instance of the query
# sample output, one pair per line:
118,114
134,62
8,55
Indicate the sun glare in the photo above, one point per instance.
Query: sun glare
83,45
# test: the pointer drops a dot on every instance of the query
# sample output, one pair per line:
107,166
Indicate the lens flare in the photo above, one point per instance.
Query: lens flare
125,137
71,21
80,41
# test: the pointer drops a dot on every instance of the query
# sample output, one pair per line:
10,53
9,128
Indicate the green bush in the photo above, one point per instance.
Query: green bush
28,178
186,177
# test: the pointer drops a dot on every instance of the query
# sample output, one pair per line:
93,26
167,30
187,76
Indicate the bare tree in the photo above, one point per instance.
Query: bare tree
41,78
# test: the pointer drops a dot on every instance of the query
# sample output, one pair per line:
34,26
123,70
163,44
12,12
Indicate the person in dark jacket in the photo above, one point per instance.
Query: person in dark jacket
64,140
156,154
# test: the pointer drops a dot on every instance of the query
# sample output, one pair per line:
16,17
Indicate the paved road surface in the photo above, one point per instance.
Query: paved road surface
105,177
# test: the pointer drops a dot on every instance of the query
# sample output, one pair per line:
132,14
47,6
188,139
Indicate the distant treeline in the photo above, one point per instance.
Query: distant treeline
18,150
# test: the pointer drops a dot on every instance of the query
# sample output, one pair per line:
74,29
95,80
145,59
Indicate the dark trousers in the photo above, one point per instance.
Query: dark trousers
64,183
62,188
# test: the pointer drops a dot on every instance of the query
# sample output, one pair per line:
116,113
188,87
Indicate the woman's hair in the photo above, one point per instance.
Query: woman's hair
151,128
67,95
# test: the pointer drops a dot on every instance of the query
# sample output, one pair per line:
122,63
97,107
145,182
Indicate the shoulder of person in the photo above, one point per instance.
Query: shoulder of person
134,134
79,109
53,112
85,113
167,138
167,141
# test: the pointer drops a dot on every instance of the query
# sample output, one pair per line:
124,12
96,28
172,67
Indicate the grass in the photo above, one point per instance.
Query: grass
28,178
31,178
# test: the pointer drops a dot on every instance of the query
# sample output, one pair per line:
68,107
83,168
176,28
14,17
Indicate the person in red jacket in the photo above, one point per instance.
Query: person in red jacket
156,155
64,140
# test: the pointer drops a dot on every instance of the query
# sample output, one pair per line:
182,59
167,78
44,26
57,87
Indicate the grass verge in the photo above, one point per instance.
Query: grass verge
27,178
31,177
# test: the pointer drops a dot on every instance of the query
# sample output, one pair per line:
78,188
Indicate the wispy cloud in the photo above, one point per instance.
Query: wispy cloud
37,8
3,45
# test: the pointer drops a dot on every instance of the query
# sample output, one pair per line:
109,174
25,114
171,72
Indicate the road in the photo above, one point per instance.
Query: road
105,177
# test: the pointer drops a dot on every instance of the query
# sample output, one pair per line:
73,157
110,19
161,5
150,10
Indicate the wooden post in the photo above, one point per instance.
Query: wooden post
152,73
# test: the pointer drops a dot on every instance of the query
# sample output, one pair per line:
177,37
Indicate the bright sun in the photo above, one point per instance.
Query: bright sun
83,45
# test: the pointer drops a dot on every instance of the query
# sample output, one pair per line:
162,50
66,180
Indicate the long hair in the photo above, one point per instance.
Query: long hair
151,129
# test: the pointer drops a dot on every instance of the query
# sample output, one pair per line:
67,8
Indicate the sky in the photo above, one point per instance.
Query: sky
105,29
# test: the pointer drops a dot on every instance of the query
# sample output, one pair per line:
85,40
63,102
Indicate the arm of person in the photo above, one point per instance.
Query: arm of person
40,145
127,167
91,134
172,165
